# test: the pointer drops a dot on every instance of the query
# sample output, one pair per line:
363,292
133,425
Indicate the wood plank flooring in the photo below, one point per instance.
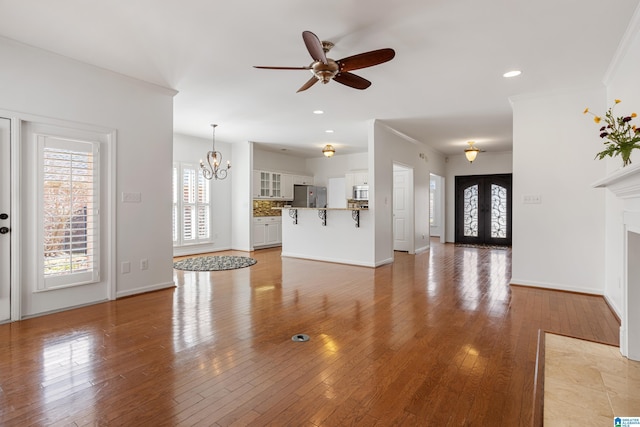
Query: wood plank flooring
438,339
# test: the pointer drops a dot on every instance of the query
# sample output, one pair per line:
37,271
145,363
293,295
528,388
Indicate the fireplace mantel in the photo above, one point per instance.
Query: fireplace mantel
624,183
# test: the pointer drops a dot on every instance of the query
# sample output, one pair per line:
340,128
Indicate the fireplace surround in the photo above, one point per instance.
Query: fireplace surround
625,184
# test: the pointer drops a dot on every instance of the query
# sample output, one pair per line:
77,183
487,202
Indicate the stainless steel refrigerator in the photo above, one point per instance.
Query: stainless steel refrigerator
309,196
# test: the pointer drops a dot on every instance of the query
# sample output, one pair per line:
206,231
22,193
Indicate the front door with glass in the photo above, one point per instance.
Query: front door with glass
483,209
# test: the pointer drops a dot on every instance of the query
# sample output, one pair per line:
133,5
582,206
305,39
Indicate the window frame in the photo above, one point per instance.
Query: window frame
92,214
179,204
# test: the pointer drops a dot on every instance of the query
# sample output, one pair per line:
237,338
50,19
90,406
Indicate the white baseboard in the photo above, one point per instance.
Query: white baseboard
613,306
150,288
197,249
325,259
555,286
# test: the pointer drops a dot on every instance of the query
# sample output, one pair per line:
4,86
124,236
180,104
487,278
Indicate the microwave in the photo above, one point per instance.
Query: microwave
360,192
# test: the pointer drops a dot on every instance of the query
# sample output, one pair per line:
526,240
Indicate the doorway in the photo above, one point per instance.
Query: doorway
5,220
403,226
483,209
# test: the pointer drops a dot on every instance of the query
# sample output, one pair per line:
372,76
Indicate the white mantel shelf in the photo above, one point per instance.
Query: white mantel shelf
624,183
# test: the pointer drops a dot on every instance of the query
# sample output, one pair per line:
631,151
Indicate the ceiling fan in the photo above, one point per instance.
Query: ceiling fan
324,69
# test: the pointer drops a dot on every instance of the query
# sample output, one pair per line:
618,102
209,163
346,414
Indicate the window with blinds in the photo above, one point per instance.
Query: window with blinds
191,207
69,212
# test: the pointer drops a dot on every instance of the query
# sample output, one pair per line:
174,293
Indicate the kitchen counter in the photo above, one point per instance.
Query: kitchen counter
328,234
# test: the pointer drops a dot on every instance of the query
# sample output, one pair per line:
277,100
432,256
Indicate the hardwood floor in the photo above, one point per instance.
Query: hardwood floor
438,339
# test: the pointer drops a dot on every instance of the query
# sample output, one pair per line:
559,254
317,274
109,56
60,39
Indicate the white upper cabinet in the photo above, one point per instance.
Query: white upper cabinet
302,180
287,186
355,178
276,185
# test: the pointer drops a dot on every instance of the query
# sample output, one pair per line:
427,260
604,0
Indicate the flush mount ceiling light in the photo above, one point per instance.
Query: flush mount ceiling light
472,152
318,112
214,158
329,131
328,150
512,73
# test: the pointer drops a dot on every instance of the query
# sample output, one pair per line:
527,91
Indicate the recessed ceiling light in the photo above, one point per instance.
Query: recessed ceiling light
329,131
318,112
512,73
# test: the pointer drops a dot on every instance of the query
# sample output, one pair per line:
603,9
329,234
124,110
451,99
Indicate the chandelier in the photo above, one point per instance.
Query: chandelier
214,158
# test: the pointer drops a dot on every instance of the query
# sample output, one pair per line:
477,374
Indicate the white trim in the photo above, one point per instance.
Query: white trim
150,288
111,267
633,28
16,223
333,260
554,286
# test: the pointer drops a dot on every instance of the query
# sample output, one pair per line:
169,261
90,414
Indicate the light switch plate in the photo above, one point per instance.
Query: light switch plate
532,199
131,197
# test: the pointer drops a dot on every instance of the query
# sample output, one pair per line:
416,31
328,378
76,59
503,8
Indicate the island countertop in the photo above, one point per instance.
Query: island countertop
321,209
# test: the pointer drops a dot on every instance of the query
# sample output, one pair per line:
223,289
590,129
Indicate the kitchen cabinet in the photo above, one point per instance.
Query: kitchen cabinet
302,180
267,185
276,185
287,186
267,231
355,178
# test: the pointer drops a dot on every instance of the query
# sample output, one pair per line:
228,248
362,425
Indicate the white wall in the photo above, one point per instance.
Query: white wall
192,149
323,168
278,162
37,82
241,201
485,164
622,83
559,243
386,147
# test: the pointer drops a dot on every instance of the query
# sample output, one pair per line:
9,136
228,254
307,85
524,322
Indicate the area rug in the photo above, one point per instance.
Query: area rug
213,263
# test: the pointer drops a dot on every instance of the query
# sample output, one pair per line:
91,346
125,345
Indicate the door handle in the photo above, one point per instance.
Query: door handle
4,230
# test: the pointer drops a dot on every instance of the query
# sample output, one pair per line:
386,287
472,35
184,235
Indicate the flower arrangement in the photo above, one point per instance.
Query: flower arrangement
620,136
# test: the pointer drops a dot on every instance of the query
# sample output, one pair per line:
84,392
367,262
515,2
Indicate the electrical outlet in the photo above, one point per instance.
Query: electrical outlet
144,264
125,267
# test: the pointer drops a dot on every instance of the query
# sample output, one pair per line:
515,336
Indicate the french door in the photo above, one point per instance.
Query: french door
5,220
483,209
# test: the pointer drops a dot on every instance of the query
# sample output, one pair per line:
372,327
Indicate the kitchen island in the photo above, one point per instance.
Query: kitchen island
341,235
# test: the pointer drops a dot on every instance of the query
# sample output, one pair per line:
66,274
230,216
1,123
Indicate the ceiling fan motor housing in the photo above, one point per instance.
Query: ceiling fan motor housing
325,72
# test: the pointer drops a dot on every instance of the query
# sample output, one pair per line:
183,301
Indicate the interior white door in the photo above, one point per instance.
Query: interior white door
401,211
5,220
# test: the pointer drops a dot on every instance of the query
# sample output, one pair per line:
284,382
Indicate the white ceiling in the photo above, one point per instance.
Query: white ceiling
444,87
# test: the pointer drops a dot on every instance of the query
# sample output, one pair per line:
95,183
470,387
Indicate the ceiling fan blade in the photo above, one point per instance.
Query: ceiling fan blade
281,68
313,80
367,59
349,79
314,46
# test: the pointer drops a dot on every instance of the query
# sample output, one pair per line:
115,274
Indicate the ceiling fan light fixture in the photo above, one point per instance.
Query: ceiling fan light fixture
472,152
328,150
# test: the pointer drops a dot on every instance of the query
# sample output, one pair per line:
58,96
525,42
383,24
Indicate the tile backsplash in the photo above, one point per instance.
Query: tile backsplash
263,207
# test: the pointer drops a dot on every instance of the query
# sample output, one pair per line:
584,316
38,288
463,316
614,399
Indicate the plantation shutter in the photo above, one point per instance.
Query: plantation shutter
69,212
194,205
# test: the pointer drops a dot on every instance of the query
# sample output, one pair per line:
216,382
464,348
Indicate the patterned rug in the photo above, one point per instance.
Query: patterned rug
214,263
